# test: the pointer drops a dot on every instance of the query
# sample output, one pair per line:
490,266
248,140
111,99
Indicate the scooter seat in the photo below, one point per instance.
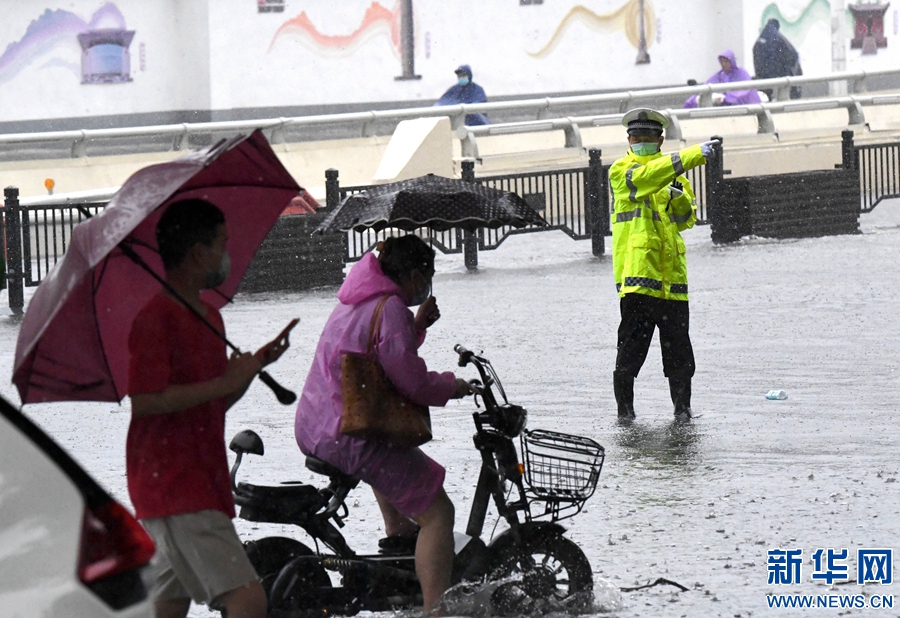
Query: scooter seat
323,467
280,504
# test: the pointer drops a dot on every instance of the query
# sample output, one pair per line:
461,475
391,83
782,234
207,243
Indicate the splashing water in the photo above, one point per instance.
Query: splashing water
505,597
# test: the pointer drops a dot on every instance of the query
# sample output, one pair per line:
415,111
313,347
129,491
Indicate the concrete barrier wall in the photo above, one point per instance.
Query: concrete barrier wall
799,205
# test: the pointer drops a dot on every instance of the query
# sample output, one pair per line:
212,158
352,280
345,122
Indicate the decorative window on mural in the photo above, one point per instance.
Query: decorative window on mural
104,56
270,6
868,31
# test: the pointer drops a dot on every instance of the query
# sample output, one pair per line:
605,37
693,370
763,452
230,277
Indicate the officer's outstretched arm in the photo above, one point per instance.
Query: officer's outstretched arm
647,179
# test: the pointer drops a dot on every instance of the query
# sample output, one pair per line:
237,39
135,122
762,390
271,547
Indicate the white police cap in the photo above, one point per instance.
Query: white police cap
644,120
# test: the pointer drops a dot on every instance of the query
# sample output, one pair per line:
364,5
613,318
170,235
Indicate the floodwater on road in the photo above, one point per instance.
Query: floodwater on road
701,504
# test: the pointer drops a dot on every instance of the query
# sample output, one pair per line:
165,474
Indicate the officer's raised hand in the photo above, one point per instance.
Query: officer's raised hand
709,149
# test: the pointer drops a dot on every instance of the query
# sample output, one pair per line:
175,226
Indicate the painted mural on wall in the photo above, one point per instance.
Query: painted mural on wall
377,21
626,18
55,37
797,27
381,21
866,28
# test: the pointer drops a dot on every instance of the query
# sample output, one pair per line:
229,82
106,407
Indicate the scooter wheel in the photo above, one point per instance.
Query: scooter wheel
270,554
300,589
545,568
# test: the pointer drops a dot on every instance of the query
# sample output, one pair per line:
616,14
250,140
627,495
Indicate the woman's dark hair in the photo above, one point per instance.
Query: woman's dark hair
182,226
400,256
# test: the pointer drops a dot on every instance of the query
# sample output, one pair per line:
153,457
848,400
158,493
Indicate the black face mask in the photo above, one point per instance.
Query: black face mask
422,296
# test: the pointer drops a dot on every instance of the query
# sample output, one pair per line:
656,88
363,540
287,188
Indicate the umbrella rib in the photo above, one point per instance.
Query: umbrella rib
97,325
50,379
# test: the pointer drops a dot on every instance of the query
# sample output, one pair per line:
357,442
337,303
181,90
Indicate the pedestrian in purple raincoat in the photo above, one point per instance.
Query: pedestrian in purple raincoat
407,483
730,72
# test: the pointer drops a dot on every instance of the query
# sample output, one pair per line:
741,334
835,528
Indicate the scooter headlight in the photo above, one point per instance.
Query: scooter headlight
511,420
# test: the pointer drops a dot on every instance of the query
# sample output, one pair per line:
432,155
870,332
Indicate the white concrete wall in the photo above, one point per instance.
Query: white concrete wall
221,55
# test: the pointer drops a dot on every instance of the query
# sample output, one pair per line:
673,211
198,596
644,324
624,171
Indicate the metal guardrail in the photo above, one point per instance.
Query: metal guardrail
576,201
763,111
542,108
879,173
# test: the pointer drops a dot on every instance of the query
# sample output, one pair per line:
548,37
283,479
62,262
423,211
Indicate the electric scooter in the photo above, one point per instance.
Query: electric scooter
554,479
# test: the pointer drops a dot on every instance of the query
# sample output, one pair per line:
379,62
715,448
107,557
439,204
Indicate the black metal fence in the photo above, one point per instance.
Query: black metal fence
575,201
290,258
46,232
879,172
35,237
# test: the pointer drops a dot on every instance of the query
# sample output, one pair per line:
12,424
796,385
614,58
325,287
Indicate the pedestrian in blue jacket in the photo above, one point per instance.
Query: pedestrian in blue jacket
465,91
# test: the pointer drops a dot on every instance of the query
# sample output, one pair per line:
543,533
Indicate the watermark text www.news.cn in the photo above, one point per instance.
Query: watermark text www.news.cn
831,566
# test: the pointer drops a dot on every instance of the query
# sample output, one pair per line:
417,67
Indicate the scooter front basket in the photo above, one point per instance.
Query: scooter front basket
560,469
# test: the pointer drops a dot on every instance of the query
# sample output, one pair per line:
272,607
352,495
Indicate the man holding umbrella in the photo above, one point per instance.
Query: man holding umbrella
122,313
653,204
181,384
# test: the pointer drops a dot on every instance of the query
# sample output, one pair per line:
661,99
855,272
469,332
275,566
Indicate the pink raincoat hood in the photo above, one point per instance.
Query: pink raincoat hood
317,424
366,280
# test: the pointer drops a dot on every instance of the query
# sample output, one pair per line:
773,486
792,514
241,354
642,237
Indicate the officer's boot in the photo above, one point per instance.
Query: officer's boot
680,389
623,387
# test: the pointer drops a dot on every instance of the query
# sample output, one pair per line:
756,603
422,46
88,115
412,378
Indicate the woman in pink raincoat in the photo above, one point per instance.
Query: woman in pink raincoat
407,483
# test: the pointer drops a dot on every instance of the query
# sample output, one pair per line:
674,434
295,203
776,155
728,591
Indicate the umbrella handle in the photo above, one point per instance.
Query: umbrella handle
283,395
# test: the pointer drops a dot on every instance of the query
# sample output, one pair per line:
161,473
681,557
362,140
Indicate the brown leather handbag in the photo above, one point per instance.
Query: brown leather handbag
373,408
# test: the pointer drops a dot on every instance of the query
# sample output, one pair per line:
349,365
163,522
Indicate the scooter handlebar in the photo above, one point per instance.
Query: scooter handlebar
464,355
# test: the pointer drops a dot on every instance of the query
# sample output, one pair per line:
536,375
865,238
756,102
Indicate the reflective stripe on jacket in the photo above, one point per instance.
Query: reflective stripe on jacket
648,251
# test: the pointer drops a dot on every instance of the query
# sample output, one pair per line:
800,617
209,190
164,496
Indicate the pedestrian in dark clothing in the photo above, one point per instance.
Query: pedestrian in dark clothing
774,56
465,91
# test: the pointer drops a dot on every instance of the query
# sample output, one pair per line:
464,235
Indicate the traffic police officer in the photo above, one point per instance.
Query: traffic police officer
654,202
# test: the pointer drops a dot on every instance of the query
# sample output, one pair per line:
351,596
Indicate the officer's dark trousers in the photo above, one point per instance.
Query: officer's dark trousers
641,314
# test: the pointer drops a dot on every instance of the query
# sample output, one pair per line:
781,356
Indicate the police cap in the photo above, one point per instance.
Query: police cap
644,121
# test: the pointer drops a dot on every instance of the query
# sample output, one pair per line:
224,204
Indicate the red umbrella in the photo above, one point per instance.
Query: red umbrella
73,342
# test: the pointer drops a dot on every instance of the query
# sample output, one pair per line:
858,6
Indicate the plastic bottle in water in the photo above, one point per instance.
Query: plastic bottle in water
776,394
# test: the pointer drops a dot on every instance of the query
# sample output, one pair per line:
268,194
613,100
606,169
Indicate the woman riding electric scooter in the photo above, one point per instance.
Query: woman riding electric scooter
408,484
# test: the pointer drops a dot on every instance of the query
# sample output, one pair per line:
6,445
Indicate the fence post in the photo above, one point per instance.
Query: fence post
848,160
594,211
332,189
15,277
722,228
470,238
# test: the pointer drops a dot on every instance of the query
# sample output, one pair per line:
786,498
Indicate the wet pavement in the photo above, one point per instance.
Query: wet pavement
700,503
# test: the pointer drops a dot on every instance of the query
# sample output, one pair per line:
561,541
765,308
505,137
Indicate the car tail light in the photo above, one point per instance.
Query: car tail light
112,542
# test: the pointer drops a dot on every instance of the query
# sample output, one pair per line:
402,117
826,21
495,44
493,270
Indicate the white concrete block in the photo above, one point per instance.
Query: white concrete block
417,147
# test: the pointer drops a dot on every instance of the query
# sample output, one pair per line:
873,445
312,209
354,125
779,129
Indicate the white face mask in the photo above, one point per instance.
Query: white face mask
215,278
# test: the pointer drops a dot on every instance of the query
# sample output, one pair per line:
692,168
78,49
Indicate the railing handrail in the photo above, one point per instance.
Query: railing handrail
749,109
93,196
456,112
763,112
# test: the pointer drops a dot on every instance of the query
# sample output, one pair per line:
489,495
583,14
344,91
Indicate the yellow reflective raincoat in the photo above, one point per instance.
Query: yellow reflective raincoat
648,251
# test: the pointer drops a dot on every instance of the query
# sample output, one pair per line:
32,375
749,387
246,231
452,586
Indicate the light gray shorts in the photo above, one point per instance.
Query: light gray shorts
198,555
